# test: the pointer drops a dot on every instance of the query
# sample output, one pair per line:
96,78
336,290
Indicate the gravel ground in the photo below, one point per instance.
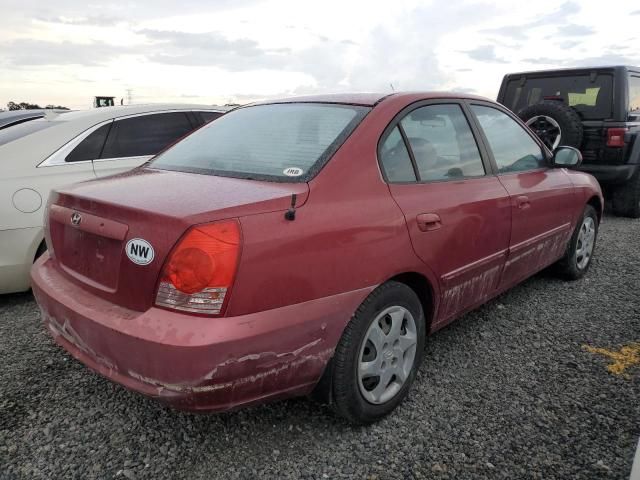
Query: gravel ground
506,392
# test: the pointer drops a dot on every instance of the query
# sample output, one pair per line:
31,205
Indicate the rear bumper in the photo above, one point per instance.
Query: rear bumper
611,174
17,249
195,363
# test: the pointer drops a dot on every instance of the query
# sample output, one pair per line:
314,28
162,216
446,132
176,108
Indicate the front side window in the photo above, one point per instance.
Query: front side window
513,148
634,94
145,135
442,143
282,142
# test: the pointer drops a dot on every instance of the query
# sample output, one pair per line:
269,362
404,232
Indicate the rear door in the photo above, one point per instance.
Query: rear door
134,140
457,212
542,198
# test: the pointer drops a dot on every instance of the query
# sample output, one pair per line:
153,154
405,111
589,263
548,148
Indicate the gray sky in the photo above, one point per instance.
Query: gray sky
204,51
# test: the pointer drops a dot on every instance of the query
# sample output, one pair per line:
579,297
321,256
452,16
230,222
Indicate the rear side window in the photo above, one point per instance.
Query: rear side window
91,147
513,148
634,94
283,142
145,134
442,143
591,96
209,116
395,160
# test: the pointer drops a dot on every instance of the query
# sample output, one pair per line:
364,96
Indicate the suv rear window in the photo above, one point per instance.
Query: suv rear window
591,99
282,142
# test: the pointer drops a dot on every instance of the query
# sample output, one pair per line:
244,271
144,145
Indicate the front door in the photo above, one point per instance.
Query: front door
458,215
542,198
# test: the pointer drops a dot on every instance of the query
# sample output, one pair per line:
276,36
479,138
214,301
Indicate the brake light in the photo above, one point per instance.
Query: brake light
615,137
200,270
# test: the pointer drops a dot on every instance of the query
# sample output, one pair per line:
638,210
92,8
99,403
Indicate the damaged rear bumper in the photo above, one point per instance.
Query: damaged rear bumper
195,363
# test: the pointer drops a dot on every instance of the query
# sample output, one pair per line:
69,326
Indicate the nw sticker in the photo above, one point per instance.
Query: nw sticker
140,251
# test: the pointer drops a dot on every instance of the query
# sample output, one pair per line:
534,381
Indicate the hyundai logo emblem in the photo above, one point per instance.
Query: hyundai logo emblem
76,218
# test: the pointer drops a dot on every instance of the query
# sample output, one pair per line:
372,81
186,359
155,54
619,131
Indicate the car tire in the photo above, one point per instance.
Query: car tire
386,336
577,260
40,251
546,117
626,199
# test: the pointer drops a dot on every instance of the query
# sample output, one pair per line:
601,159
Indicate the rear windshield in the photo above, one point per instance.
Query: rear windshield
591,99
15,132
281,142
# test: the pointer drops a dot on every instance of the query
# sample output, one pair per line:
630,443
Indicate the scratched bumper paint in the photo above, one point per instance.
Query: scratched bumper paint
195,363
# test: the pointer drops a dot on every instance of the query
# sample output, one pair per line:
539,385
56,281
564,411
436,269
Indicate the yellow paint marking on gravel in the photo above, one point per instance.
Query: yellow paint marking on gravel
628,356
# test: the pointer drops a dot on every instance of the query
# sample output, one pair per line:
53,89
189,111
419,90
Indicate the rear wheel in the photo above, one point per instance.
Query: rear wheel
577,260
626,199
379,353
41,249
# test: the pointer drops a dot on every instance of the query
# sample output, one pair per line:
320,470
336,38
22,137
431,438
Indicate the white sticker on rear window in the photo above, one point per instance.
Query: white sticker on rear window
140,251
293,172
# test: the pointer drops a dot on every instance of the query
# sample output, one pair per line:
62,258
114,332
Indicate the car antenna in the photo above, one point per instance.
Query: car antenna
291,213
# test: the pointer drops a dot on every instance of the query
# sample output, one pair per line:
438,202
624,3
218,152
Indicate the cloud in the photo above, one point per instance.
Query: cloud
24,52
485,53
573,30
606,59
91,20
210,49
635,12
521,32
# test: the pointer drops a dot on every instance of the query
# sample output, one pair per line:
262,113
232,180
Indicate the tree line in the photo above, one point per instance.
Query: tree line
32,106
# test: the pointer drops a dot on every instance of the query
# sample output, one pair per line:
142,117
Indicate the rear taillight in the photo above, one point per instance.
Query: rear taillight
199,272
615,137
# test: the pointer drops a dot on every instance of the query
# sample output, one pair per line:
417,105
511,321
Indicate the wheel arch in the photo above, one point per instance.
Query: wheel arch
596,203
423,289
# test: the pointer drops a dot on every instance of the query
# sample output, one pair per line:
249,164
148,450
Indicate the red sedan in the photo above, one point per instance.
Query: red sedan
308,245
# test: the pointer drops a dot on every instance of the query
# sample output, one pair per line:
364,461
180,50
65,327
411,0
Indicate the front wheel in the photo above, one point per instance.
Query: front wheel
379,353
577,260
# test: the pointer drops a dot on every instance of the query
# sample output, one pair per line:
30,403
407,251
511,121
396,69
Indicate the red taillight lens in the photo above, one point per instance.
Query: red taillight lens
200,270
615,137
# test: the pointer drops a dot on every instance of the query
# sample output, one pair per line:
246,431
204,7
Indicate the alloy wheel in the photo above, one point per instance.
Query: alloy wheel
585,242
387,354
547,129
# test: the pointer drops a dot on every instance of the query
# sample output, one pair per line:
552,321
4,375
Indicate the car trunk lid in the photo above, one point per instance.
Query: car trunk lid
98,229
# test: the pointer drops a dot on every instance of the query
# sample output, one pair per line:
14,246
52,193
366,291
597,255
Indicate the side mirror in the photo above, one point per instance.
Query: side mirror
567,157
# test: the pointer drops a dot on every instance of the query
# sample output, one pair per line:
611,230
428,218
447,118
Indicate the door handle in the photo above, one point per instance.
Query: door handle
428,221
522,202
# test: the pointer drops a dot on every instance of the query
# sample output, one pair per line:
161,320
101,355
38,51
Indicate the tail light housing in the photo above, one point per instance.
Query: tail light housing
615,137
199,272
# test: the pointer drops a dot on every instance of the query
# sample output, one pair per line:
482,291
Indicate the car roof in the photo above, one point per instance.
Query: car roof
12,116
561,71
96,115
38,143
366,99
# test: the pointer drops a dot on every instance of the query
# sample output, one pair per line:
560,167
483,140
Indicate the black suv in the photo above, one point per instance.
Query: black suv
596,110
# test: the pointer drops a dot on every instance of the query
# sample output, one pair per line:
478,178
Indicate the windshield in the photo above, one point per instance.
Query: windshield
591,98
15,132
282,142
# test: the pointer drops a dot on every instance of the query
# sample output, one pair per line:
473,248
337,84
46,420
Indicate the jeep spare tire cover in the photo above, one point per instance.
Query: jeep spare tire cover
554,122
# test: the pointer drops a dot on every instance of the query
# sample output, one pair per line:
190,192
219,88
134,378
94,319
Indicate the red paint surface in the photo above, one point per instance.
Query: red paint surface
298,282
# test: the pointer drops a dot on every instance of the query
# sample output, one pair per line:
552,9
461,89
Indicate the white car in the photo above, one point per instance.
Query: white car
57,150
